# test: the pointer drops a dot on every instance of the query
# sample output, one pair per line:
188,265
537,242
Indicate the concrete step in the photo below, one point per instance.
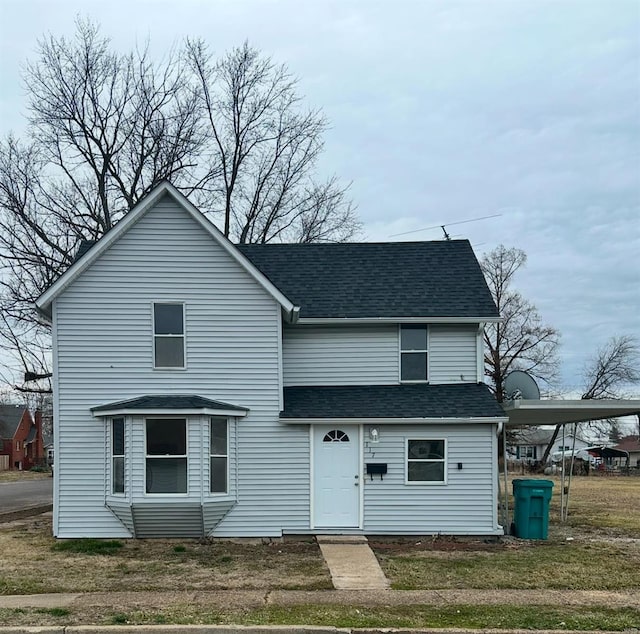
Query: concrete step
341,539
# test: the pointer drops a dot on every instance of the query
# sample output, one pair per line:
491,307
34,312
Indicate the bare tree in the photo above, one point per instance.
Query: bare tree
614,367
105,128
521,341
263,151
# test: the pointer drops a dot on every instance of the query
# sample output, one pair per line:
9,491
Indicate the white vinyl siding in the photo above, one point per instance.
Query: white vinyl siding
341,355
464,505
453,354
105,354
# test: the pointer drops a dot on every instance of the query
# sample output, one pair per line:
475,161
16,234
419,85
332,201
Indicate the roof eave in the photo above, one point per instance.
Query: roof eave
394,420
377,320
163,411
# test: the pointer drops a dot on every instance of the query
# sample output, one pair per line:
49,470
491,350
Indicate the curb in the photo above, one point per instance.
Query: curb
11,516
263,629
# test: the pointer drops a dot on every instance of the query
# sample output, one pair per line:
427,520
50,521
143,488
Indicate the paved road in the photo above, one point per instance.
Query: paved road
15,496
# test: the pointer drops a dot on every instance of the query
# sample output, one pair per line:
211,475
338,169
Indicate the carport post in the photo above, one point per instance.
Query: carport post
505,506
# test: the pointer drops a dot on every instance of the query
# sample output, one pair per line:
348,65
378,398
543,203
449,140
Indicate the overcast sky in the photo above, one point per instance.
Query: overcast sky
443,111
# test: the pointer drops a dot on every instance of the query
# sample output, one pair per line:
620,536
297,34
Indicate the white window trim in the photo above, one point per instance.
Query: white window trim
406,462
400,351
157,496
114,456
534,451
164,368
212,455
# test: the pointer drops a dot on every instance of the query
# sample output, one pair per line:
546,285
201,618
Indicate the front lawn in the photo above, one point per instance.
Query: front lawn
597,549
160,564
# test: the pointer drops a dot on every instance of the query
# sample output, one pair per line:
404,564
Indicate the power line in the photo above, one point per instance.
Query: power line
449,224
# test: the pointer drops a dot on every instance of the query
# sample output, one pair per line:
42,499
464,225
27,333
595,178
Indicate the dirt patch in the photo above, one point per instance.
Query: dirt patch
436,544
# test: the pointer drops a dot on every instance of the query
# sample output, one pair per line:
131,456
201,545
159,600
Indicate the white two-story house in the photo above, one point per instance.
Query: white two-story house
204,388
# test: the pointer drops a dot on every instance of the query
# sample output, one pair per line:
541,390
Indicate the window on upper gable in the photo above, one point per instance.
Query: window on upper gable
413,352
168,335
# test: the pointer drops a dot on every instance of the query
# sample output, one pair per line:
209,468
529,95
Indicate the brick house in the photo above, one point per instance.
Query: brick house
21,445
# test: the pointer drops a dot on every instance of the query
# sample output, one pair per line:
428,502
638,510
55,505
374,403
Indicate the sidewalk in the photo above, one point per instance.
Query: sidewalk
87,605
257,598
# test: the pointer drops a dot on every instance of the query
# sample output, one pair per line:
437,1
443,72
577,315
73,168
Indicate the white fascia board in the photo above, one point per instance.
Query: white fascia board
395,320
394,421
125,411
71,274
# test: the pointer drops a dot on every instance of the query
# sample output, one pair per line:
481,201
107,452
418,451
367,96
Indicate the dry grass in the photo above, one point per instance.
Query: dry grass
162,565
602,554
17,476
530,617
608,506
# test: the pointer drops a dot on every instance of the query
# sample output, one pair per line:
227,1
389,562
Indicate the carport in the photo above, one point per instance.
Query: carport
607,453
523,412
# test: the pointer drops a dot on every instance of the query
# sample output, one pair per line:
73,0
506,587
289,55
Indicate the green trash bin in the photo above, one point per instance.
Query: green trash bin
531,508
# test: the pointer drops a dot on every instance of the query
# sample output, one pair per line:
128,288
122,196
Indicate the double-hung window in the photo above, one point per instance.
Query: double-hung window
166,459
413,352
426,461
527,451
219,458
168,335
117,455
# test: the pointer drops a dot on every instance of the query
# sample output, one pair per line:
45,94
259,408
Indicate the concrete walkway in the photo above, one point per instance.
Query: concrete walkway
259,598
352,564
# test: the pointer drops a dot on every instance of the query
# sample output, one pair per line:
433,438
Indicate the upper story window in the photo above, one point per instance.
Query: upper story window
166,470
413,352
219,458
168,335
117,455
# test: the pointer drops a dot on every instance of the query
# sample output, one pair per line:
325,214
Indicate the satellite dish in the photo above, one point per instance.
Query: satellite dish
520,385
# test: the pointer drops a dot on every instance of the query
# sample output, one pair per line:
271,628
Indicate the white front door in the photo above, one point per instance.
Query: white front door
336,471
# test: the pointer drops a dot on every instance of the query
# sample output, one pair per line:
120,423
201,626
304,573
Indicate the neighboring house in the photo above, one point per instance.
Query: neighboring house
631,444
529,444
203,388
21,445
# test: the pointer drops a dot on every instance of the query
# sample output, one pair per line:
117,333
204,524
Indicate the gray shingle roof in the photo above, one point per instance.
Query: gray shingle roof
391,279
173,401
374,279
10,416
390,401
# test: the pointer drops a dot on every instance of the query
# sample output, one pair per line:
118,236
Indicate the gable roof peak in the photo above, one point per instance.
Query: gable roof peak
85,259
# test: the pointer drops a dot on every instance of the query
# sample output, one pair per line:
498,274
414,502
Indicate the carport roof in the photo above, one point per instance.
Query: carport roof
550,412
